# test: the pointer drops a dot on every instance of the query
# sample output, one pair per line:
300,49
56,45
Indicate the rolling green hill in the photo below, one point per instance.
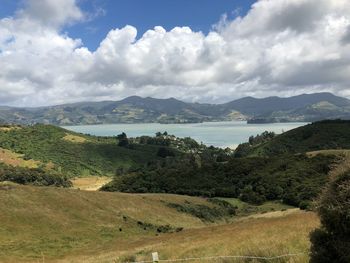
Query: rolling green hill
50,150
323,135
74,154
305,107
47,224
53,222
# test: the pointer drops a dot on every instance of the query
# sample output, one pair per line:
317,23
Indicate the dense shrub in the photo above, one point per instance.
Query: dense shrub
123,140
206,213
245,148
37,177
331,242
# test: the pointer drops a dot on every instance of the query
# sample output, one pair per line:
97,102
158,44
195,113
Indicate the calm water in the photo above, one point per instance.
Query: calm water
220,134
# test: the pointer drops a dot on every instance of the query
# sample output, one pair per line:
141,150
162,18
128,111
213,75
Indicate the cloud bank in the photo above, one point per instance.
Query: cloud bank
280,47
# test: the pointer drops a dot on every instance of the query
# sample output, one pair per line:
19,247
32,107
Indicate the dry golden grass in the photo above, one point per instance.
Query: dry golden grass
74,138
14,159
9,128
256,237
67,225
273,214
59,222
91,183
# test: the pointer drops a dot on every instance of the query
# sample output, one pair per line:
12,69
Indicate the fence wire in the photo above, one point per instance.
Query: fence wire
221,257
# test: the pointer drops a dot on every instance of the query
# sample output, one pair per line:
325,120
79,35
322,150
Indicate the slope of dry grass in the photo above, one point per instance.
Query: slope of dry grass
14,159
57,222
90,183
5,128
66,225
268,236
74,138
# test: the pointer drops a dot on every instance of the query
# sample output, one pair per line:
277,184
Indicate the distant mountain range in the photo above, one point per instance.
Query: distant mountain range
306,107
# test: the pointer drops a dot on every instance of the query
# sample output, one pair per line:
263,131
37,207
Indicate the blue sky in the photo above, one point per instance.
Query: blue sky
105,15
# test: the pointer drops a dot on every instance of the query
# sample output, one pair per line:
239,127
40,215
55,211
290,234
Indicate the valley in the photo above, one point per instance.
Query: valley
70,197
175,131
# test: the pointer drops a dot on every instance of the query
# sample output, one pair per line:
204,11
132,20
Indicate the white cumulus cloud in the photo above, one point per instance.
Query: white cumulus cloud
280,47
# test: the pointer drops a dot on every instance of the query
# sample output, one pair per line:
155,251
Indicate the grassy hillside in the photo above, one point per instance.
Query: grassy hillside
90,183
70,153
14,159
323,135
43,224
275,234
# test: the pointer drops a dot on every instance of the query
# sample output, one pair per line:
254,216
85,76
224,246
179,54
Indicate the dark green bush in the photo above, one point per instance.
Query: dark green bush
305,205
204,212
164,152
331,242
28,176
123,140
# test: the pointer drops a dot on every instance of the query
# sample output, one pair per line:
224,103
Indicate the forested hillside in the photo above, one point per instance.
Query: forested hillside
322,135
294,179
268,167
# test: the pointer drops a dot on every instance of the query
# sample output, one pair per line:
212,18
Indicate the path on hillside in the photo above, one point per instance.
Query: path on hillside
91,183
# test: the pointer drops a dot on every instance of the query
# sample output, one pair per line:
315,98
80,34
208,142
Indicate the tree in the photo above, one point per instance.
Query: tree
122,140
249,195
164,152
331,242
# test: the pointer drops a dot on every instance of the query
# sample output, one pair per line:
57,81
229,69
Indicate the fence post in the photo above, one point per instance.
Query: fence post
155,257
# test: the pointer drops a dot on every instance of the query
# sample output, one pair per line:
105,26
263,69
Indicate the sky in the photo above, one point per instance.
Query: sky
54,52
